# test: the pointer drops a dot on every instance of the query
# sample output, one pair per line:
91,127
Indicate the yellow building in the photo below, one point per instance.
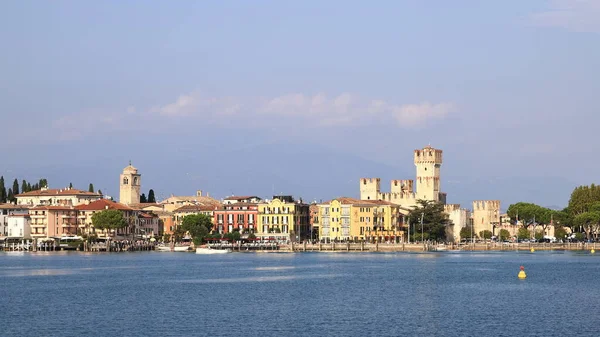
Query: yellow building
283,218
348,219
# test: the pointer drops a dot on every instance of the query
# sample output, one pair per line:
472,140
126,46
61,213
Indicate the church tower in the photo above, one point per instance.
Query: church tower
130,185
428,162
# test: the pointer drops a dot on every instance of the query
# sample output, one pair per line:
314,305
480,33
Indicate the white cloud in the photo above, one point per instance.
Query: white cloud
574,15
414,114
313,110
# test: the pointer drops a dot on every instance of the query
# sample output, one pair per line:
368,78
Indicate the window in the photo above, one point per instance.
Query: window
125,181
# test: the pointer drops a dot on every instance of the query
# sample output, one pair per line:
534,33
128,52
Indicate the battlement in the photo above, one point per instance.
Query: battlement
428,155
366,181
486,205
451,207
370,188
401,186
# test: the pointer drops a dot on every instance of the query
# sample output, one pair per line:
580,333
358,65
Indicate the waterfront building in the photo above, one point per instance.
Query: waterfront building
130,183
86,226
459,219
53,221
486,216
428,162
239,215
166,222
186,210
5,211
18,226
235,199
283,218
313,211
56,197
345,219
173,202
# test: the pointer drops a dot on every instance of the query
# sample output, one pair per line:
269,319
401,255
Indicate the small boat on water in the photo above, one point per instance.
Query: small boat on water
441,248
208,250
176,248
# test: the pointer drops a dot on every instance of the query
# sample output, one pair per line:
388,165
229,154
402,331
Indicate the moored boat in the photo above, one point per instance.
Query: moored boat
207,250
176,248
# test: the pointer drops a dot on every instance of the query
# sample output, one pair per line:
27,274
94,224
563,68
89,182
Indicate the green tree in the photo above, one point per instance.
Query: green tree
9,195
504,234
24,186
523,233
91,188
485,234
435,220
467,233
563,218
143,198
538,235
197,225
99,191
559,232
151,197
588,222
70,185
3,194
582,197
530,214
109,219
42,183
15,188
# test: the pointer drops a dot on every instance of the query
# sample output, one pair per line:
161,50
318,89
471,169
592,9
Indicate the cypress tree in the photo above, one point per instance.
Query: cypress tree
24,186
143,198
151,197
15,188
91,188
2,190
70,185
99,191
9,196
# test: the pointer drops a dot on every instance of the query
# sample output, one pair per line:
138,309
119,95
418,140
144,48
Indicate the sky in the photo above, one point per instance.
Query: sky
302,97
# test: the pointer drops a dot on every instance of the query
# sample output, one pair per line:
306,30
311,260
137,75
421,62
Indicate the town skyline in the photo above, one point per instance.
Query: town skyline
303,98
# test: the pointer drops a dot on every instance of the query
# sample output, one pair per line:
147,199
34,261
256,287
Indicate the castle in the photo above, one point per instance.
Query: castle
428,162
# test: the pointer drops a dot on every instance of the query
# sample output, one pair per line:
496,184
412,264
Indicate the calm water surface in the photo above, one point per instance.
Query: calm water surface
305,294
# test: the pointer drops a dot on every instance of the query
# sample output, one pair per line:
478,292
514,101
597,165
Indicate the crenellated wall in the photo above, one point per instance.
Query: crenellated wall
486,214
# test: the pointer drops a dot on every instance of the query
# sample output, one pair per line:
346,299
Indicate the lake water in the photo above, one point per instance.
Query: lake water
302,294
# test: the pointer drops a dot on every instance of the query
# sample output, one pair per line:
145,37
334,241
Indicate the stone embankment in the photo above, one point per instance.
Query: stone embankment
424,247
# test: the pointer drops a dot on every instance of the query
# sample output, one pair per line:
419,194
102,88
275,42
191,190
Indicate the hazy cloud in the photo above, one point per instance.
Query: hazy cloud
574,15
314,110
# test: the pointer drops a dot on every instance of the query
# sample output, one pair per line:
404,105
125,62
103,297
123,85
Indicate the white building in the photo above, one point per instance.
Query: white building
5,211
19,226
459,217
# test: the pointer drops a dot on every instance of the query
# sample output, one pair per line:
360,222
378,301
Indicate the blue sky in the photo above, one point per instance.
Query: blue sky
302,97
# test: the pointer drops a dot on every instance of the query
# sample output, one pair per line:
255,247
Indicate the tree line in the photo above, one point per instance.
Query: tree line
581,216
9,195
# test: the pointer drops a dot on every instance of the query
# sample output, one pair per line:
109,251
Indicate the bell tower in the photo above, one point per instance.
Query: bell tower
129,185
428,162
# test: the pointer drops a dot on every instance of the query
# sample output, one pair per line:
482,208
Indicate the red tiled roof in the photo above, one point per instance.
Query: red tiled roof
103,204
145,215
56,191
195,208
51,208
12,206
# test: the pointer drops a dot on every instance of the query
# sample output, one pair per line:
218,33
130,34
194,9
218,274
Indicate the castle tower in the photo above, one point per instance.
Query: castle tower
486,215
428,162
129,185
370,188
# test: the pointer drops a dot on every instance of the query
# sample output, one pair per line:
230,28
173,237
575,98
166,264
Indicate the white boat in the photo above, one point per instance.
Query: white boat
206,250
167,248
441,248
